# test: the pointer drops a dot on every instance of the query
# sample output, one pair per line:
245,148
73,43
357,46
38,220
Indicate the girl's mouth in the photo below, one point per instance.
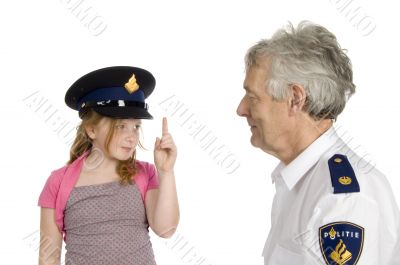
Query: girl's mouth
127,149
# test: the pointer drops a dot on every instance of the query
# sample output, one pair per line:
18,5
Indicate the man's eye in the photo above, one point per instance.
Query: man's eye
120,126
137,126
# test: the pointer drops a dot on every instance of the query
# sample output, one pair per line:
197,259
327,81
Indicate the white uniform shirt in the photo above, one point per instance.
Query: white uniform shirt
304,202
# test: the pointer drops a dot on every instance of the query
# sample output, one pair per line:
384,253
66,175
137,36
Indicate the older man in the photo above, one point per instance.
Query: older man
330,206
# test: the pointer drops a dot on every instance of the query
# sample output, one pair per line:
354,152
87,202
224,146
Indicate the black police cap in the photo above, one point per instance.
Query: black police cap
116,92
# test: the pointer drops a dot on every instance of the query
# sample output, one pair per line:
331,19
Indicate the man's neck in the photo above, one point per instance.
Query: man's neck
303,137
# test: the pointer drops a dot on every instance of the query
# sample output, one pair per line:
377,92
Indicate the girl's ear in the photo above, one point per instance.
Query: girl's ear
90,131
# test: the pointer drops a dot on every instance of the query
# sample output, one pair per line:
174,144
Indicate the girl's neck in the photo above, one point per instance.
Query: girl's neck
98,161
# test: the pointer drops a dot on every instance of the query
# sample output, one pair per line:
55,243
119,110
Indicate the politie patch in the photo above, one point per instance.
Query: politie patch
341,243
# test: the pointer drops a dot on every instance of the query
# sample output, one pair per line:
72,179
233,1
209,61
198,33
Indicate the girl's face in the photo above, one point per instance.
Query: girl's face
124,141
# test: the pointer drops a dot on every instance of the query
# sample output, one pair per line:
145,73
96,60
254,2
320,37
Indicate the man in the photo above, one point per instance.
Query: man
330,206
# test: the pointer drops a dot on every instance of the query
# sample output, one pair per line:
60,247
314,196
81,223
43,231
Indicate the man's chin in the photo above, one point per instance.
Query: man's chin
254,142
258,144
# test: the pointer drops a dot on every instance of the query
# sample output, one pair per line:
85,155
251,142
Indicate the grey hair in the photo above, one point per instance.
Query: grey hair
309,56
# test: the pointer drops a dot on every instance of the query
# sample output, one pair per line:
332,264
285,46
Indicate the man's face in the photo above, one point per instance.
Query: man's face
268,119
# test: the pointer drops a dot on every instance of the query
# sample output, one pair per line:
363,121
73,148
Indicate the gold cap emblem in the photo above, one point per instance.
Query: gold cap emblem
338,160
131,86
345,180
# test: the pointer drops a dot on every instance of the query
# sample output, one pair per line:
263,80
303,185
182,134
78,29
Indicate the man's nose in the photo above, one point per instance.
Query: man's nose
242,109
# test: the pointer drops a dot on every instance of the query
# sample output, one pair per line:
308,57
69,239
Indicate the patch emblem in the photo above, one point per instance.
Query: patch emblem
341,243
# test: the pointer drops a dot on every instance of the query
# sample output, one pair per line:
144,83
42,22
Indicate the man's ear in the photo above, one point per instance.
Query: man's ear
90,131
297,99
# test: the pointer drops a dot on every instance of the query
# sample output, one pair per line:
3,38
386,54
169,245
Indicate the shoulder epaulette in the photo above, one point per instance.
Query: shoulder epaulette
342,175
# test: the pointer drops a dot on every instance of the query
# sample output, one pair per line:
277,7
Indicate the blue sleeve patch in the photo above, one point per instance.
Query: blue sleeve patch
342,175
341,243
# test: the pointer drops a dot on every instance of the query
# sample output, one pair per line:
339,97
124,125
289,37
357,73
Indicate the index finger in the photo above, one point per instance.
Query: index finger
164,126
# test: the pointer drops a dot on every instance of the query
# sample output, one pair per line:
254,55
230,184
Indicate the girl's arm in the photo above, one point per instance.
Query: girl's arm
50,239
162,206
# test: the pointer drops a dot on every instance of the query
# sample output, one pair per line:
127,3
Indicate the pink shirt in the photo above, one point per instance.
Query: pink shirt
60,183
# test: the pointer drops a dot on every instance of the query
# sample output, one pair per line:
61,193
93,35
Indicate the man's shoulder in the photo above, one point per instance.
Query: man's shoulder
348,172
342,175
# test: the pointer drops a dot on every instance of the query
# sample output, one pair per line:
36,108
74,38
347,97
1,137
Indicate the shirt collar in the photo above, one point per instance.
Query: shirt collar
296,169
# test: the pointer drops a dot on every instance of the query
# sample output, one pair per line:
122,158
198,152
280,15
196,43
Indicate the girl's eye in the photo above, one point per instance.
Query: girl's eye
126,128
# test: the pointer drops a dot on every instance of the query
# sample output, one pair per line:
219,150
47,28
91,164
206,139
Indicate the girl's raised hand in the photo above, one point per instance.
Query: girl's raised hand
165,151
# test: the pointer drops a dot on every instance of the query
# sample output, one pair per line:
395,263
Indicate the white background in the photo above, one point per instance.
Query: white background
195,50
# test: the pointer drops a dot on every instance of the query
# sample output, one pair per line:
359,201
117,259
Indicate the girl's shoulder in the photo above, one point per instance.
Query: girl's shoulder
147,177
144,166
56,176
51,188
146,170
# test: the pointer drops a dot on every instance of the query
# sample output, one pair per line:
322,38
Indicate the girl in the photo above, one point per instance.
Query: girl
103,201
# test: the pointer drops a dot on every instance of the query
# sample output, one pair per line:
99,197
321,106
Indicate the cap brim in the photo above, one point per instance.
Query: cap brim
123,113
